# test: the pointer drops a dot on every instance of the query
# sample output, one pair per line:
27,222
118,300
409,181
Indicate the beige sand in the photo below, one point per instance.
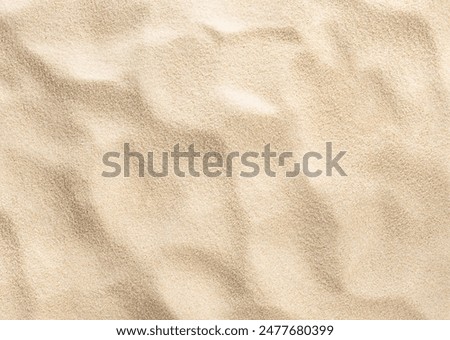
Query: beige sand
80,78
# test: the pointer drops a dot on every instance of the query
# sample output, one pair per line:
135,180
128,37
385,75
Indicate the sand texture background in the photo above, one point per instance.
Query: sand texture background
80,78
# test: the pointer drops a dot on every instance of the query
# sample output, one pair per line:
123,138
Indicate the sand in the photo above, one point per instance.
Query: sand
81,78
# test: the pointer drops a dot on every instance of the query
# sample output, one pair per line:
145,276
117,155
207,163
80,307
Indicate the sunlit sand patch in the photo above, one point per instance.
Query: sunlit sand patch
13,6
246,100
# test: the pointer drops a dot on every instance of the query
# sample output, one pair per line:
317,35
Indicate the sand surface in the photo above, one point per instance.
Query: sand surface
80,78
